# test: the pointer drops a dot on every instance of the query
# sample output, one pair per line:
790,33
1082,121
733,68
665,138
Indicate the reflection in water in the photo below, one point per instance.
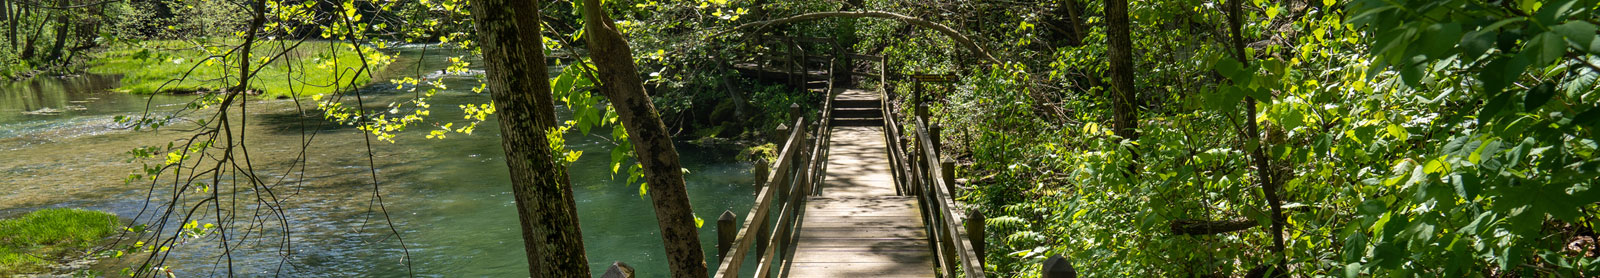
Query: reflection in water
449,198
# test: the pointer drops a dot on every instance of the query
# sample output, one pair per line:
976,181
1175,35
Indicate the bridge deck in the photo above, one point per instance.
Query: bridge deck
857,226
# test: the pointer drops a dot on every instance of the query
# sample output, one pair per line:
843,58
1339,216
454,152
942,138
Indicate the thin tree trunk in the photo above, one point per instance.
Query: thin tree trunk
5,15
1263,163
620,82
1123,100
519,83
32,44
1070,10
12,34
62,25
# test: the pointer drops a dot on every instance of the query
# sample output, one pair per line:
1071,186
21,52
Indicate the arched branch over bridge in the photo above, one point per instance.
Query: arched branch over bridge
941,28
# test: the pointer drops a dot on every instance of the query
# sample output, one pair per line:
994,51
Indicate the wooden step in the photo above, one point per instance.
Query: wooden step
857,113
857,103
857,122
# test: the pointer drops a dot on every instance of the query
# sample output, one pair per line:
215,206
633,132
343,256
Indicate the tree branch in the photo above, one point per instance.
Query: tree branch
941,28
1207,227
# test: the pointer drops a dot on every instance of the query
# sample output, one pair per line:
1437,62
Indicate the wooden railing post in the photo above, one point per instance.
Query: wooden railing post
934,130
794,63
794,112
761,171
976,235
618,270
726,231
947,169
916,97
1057,267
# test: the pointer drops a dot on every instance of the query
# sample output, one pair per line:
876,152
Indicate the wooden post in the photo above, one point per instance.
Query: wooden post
916,96
976,234
618,270
794,113
761,172
933,136
947,169
793,62
781,136
1057,267
726,231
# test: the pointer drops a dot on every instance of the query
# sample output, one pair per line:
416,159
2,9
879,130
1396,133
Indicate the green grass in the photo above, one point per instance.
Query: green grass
30,242
312,68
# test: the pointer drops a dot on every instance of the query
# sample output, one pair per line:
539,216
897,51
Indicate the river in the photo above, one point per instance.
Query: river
449,199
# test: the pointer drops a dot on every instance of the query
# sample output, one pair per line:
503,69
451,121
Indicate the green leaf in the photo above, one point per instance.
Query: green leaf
1538,96
1476,43
1231,69
1492,107
1440,39
1580,33
1546,48
1398,132
1468,186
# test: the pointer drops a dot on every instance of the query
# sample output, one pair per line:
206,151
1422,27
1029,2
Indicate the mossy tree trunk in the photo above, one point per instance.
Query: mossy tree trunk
518,81
620,82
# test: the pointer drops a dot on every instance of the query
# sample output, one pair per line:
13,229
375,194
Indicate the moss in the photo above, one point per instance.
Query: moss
312,68
29,243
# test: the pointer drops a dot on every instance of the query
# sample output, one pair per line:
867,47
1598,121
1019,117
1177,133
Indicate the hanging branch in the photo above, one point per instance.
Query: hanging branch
941,28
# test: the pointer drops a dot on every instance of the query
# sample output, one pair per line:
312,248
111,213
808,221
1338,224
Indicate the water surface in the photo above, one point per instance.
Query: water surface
448,199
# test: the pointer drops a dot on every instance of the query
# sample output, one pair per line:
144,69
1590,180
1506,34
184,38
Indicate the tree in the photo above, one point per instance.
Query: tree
1123,96
620,82
517,79
63,23
1264,175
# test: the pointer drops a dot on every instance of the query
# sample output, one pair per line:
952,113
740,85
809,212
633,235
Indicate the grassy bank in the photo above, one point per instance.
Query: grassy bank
179,66
30,243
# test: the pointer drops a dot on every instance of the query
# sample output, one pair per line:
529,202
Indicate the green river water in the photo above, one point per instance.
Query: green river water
449,199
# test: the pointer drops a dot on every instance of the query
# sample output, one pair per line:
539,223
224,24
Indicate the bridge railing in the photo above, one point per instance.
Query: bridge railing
767,234
922,171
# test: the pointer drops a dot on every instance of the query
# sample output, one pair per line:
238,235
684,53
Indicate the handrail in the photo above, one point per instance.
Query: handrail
920,172
777,181
952,236
797,174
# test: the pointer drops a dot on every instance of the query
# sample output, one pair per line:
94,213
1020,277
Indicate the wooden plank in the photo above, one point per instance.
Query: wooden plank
868,257
857,269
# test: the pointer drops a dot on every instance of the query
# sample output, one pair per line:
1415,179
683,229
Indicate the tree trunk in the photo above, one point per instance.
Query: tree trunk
1264,177
12,34
1125,119
1070,11
620,82
32,44
62,25
519,83
5,15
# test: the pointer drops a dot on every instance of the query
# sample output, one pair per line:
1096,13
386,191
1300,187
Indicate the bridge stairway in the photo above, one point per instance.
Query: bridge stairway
857,226
857,108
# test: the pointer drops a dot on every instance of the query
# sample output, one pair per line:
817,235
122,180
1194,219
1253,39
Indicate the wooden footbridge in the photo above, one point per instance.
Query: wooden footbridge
856,191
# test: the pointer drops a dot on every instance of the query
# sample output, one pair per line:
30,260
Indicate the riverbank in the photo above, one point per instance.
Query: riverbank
36,242
296,69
